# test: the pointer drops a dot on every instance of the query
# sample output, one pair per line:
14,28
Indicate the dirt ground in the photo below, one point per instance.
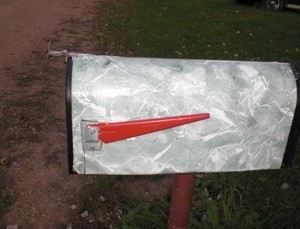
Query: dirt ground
32,110
32,114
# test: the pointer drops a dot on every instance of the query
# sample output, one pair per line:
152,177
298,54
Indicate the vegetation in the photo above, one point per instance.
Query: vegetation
110,203
7,195
216,29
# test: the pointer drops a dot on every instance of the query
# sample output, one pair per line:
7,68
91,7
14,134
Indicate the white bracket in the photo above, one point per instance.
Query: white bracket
89,136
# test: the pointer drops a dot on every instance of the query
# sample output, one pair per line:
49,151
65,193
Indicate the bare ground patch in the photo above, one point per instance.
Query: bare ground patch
33,131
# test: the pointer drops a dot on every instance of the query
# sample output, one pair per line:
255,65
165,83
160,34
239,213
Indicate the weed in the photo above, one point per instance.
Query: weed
89,199
248,199
143,214
25,80
109,201
7,195
54,186
52,158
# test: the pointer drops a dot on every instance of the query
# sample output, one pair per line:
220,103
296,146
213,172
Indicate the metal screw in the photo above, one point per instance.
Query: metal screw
92,131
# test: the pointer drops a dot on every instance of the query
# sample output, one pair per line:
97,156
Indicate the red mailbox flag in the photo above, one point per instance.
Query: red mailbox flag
111,132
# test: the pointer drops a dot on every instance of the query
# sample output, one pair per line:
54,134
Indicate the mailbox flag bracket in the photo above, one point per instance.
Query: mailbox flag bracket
89,136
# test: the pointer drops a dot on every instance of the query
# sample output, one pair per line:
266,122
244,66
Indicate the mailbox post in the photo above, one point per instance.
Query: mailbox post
182,194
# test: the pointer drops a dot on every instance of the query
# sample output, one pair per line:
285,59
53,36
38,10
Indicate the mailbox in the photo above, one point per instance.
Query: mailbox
157,116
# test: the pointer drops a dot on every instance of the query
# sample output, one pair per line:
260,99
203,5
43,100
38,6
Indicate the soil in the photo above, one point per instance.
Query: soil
32,115
32,109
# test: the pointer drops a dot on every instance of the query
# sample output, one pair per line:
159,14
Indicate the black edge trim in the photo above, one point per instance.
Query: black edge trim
69,113
294,132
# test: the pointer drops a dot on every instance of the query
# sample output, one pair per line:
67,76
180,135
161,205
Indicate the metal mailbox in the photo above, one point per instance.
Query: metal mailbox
156,116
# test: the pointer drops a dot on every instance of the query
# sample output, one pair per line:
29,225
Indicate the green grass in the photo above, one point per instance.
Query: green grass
249,200
216,29
106,198
143,214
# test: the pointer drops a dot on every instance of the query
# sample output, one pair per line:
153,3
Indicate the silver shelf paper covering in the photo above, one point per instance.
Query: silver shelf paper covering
251,104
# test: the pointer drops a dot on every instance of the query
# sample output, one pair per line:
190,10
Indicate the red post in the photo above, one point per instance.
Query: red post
183,188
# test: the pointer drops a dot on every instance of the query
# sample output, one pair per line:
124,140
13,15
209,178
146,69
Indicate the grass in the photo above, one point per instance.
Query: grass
6,199
217,29
7,195
143,214
110,204
249,200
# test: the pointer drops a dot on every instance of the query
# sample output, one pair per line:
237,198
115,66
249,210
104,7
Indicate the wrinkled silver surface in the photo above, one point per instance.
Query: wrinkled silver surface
251,104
